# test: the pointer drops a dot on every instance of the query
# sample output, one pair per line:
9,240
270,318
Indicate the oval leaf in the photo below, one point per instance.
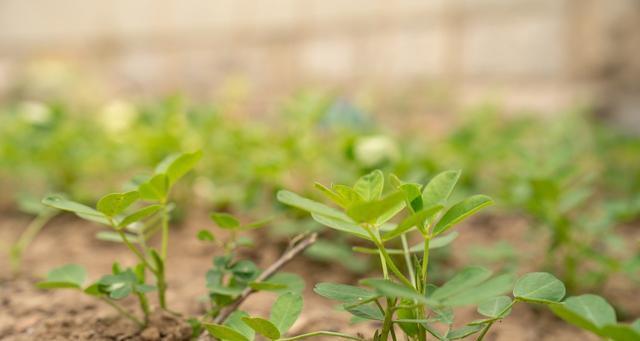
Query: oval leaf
114,203
285,311
262,327
394,290
343,292
438,190
540,287
460,211
225,220
495,307
370,186
224,333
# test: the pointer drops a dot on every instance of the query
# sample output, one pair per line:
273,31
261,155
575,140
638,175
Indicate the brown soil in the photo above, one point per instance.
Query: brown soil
27,313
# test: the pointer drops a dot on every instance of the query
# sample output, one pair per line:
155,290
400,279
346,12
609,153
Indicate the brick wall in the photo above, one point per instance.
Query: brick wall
535,54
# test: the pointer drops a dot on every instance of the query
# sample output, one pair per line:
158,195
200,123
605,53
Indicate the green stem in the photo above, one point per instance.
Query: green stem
123,311
162,283
144,306
387,325
425,264
27,237
134,250
165,232
407,258
322,333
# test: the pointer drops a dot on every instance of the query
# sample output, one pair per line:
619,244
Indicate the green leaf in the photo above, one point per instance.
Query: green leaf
156,189
347,193
343,292
468,277
292,199
182,165
462,332
225,220
539,287
292,282
460,211
438,190
111,236
205,236
266,286
114,203
366,311
394,290
377,211
285,311
413,196
494,307
331,195
620,332
262,327
415,219
67,276
343,225
61,203
590,312
370,186
435,243
235,322
139,215
224,333
491,288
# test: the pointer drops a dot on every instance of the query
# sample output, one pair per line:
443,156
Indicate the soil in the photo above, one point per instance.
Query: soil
27,313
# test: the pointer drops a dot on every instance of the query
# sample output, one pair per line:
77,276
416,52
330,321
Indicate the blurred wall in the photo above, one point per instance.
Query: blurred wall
535,54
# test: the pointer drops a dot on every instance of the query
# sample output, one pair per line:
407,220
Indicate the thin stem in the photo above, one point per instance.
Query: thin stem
144,306
322,333
407,258
123,311
27,237
387,324
387,260
134,249
165,233
425,264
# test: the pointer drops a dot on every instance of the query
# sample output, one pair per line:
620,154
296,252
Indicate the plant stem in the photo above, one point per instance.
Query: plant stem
165,232
321,333
160,275
387,260
135,250
144,305
425,264
27,237
388,320
123,311
407,258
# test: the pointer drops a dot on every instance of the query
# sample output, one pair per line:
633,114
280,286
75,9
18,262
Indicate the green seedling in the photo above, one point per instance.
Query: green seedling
404,300
134,217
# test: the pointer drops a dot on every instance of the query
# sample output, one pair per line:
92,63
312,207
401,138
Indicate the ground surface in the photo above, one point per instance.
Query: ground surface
27,313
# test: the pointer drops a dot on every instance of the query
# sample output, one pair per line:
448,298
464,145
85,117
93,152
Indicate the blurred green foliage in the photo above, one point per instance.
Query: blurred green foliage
575,176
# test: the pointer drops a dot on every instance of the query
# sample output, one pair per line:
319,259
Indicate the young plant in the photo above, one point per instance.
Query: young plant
229,282
404,300
134,228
